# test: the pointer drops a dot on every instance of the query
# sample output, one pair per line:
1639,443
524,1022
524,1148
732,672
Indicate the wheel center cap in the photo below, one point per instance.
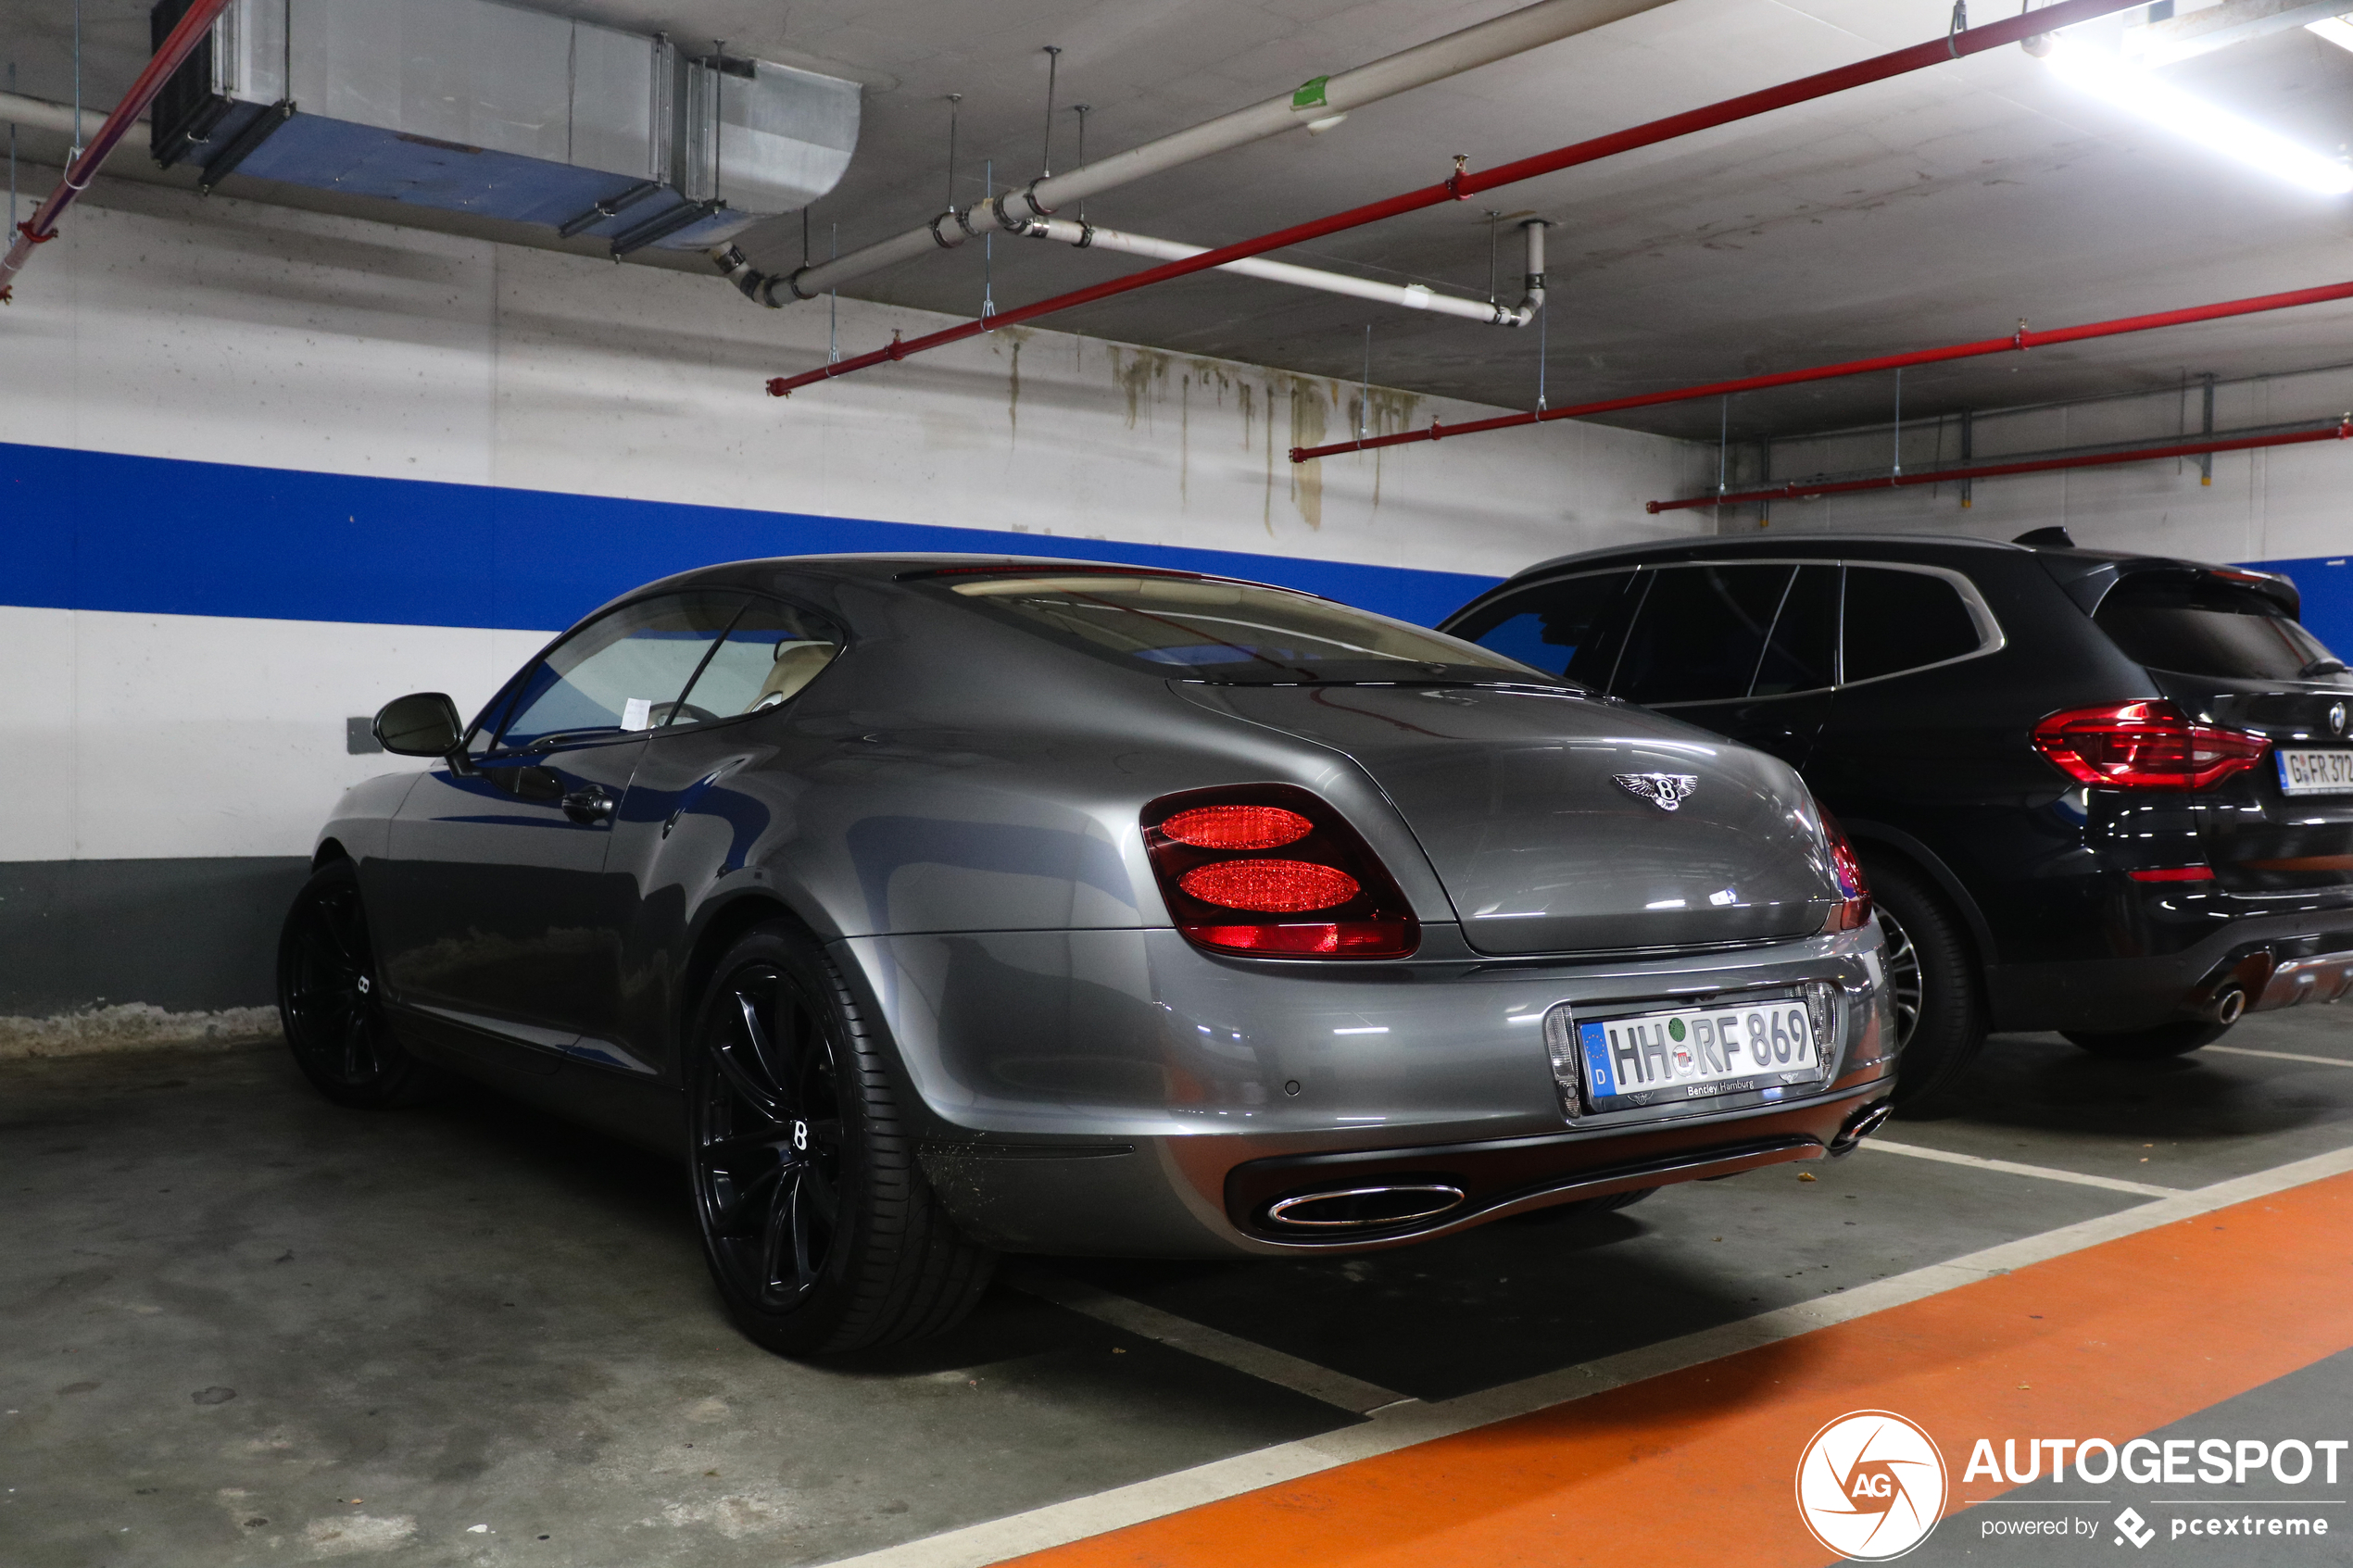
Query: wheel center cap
364,985
800,1135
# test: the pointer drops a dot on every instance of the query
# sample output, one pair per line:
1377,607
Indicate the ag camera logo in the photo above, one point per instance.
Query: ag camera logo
1870,1485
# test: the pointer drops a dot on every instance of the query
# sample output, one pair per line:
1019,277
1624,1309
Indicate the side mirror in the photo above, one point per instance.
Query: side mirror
420,724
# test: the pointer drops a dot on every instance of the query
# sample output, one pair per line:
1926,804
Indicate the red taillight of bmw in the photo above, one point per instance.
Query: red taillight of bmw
2144,745
1853,910
1270,871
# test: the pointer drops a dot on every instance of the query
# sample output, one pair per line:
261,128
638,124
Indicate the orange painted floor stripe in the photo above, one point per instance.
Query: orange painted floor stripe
1697,1467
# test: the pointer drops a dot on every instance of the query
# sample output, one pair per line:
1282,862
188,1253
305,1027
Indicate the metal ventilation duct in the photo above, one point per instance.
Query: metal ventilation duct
475,107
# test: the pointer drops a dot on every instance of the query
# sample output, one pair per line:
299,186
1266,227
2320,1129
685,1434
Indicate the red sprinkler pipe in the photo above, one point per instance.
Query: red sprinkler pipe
42,227
1462,186
2018,341
1798,490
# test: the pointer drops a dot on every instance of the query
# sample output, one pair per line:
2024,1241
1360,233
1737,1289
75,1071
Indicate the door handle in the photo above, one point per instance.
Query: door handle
588,806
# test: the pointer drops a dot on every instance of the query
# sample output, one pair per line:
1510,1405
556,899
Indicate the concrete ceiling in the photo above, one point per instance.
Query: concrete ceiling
1941,207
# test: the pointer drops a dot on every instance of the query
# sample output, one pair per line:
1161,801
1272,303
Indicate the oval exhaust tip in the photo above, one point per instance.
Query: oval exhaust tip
1365,1208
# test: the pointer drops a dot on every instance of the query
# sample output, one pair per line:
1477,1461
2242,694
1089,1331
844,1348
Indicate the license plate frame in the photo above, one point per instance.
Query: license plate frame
2314,770
1592,1052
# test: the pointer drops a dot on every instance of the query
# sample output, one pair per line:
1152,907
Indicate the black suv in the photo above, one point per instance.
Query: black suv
2106,794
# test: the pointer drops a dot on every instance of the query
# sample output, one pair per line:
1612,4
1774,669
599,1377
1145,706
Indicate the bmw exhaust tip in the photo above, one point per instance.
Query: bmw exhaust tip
2228,1006
1365,1208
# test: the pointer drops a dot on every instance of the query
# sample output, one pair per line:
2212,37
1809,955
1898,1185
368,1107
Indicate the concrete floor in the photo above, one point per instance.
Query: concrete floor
244,1327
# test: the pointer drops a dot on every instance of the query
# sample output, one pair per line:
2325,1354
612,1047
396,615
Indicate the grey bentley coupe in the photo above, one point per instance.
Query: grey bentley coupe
935,906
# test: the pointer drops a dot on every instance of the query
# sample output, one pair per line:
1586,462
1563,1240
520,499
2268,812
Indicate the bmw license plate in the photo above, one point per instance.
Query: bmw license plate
2315,771
1654,1059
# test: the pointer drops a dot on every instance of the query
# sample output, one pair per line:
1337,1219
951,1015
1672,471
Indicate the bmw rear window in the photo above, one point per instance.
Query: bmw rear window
1225,632
2200,626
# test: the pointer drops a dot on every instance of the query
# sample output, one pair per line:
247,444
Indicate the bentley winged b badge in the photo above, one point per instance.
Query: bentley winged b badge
1666,791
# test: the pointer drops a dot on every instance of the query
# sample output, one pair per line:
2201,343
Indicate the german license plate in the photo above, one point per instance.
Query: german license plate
2315,771
1653,1058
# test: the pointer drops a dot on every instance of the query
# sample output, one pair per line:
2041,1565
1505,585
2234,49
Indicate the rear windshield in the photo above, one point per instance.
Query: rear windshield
1233,633
2197,626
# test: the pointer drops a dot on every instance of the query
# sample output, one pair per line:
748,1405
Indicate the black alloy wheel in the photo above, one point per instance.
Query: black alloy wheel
820,1230
329,1003
1940,1021
1903,962
2178,1038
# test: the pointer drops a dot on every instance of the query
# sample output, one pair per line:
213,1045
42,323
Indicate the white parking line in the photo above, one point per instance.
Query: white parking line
1350,1394
2011,1167
2284,1056
975,1545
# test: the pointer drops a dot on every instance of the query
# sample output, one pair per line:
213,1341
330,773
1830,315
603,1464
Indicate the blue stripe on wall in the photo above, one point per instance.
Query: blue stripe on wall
2326,582
154,535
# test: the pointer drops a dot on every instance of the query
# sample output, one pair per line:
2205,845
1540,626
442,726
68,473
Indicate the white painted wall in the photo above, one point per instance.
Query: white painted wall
228,332
2277,504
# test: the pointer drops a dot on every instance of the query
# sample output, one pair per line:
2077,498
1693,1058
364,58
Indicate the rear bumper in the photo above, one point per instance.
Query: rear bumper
1516,1176
1121,1091
2274,959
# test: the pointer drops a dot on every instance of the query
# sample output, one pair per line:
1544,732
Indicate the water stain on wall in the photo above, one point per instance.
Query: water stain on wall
1134,370
1314,405
1308,405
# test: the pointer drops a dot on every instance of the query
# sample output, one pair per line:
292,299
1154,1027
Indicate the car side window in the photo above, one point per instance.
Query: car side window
623,671
1569,628
771,652
1802,653
1898,620
1700,634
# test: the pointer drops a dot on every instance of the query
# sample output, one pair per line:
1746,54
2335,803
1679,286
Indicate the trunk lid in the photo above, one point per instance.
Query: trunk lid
2257,836
1513,797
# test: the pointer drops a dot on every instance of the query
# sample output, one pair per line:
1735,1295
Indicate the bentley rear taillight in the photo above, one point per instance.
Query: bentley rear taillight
1854,912
2144,745
1272,871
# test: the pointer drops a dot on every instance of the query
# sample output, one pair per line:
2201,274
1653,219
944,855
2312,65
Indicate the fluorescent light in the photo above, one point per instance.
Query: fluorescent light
2337,29
2138,92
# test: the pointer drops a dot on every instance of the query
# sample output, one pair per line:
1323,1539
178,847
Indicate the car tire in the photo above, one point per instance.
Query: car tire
331,1005
820,1231
2155,1044
1939,1020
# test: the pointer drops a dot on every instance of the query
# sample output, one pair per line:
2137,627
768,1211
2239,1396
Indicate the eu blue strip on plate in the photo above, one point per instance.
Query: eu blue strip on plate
1596,1043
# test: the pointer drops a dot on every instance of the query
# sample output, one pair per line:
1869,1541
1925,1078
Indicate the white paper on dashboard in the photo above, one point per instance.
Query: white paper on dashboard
637,713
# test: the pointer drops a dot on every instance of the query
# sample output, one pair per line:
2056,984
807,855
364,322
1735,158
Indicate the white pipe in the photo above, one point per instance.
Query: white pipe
38,114
1410,296
1317,106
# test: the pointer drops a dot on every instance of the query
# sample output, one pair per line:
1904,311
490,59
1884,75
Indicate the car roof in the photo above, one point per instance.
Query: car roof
1894,545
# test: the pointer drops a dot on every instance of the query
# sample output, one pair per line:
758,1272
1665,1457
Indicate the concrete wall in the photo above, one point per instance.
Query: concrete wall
2287,509
266,469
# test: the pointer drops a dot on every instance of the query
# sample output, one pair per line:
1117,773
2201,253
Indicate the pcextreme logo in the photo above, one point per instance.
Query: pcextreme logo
1870,1485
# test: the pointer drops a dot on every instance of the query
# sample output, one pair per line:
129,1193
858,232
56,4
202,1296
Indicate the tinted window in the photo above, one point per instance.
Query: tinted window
1700,632
1802,653
1206,630
1569,628
2200,627
623,671
770,653
1903,620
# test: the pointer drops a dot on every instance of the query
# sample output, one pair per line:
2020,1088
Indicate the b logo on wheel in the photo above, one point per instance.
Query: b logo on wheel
1870,1485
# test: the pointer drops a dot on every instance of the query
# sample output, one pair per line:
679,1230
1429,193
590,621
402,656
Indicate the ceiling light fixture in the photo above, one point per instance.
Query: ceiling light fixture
2137,92
2337,29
